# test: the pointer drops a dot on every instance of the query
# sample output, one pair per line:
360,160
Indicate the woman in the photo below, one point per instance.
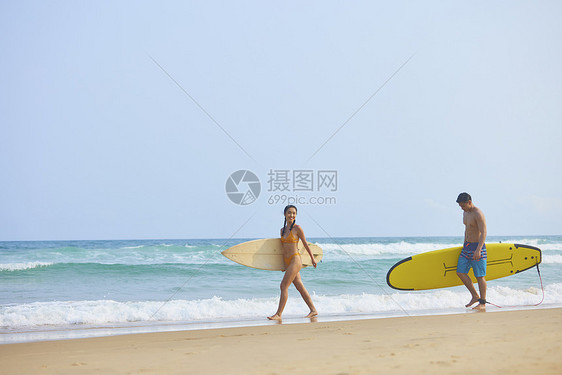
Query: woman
290,235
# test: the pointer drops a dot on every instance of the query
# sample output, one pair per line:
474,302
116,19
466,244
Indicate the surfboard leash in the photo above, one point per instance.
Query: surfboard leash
542,300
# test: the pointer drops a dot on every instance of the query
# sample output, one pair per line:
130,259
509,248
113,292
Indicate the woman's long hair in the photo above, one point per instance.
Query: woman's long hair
285,222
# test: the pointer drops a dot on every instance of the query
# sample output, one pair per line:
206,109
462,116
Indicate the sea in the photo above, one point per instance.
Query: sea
52,290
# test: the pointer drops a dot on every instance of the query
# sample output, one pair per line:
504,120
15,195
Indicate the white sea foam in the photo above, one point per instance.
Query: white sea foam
34,315
335,251
381,250
552,259
23,266
127,256
540,243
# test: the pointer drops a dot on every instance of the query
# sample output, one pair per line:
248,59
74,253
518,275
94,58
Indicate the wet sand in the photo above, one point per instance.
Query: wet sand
517,342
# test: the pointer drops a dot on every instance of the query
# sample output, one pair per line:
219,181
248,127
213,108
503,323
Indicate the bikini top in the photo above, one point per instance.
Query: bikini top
290,238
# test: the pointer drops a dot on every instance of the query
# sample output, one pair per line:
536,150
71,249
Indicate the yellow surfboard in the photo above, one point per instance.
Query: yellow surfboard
267,254
438,269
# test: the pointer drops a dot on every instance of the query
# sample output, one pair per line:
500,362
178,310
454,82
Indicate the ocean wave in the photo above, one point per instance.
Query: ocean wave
116,271
167,246
342,251
133,257
552,259
382,249
23,266
145,252
103,312
544,245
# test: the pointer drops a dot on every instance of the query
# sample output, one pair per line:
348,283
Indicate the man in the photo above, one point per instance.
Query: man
473,254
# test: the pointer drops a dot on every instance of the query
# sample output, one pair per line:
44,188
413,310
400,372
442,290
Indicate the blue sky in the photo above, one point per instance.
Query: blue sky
123,120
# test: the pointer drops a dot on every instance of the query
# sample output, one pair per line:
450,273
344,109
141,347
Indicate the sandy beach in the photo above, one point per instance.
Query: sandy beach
519,342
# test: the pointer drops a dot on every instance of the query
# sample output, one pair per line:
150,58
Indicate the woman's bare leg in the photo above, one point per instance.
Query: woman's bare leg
290,274
305,296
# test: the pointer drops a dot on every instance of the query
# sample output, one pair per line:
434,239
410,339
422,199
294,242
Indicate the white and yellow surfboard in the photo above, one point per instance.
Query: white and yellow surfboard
267,254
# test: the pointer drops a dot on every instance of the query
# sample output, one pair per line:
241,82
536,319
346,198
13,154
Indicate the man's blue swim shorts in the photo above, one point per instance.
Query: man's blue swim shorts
466,262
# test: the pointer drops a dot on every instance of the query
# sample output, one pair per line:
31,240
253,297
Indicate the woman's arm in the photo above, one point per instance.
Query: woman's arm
300,234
